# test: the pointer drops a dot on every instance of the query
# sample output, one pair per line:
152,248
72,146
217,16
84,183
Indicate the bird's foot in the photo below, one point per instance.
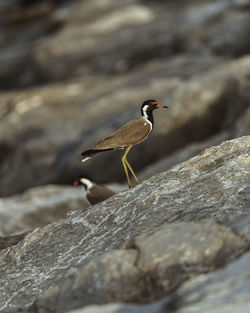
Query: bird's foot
132,185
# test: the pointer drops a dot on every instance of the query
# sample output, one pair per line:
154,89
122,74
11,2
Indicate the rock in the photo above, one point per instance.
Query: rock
226,290
242,127
88,66
115,37
158,307
39,206
111,44
205,24
210,185
182,155
12,240
200,107
17,67
161,260
21,26
240,225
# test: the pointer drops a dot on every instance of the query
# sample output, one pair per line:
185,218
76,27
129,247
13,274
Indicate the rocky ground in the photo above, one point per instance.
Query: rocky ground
71,72
168,244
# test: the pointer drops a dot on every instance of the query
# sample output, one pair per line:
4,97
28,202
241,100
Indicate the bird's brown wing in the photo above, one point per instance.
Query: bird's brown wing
130,133
99,193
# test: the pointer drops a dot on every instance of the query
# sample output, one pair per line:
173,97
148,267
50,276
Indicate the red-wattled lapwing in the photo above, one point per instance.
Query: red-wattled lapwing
131,133
94,193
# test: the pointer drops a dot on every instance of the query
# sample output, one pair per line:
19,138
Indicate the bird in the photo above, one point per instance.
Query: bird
95,193
128,135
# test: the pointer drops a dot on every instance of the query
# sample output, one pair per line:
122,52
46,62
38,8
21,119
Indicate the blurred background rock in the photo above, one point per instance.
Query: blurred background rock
71,72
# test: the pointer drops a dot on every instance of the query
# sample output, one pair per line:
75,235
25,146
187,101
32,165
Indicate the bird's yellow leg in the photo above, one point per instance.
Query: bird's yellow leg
128,166
126,172
132,172
125,165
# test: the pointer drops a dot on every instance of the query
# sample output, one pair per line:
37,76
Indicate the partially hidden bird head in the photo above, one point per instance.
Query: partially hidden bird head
152,105
87,184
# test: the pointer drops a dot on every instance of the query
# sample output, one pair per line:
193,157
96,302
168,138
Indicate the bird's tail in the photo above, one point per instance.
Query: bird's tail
89,153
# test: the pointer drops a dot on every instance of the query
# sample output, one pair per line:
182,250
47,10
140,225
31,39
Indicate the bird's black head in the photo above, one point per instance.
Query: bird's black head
150,105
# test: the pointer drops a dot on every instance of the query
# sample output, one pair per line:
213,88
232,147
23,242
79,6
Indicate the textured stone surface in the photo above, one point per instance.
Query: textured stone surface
158,307
211,185
182,155
42,205
160,261
226,290
11,240
39,206
114,36
70,73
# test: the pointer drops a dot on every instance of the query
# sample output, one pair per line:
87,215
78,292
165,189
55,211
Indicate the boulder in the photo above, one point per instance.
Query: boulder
224,291
183,154
42,205
118,39
213,185
8,241
154,264
113,37
39,206
20,26
242,127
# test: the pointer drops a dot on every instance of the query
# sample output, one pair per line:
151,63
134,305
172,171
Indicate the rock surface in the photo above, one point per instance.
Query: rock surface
71,72
11,240
211,185
224,291
159,262
39,206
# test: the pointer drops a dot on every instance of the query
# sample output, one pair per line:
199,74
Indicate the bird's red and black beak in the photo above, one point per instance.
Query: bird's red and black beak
76,182
160,106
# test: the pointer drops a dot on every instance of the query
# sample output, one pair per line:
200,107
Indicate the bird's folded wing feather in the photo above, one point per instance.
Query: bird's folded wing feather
130,133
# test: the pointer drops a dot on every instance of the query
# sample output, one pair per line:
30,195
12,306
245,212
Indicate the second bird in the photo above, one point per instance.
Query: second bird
128,135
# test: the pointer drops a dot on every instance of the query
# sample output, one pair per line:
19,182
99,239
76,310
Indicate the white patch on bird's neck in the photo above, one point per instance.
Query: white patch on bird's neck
146,117
148,122
144,111
87,183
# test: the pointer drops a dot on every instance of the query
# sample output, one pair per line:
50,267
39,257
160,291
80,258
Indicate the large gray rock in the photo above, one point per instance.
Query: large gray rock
158,263
224,291
158,307
7,241
39,206
120,38
20,27
114,36
211,185
183,154
242,127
